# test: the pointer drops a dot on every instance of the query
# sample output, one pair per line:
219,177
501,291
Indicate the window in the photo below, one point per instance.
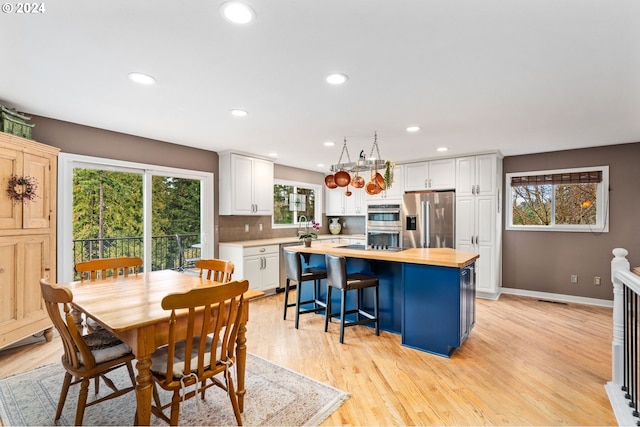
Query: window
295,203
559,200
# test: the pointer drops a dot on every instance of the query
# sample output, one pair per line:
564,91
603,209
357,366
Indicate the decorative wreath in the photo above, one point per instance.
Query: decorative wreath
22,188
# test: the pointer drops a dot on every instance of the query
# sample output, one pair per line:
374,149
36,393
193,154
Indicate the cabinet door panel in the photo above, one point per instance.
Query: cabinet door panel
36,259
415,176
9,280
242,184
263,186
465,175
36,212
465,223
442,174
271,271
486,214
486,174
253,271
10,212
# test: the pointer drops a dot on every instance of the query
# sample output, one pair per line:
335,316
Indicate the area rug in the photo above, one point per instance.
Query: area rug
275,396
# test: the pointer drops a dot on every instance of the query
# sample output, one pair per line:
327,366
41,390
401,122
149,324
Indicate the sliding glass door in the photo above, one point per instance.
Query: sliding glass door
112,208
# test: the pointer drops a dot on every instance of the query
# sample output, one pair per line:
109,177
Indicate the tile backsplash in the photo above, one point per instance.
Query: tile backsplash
234,228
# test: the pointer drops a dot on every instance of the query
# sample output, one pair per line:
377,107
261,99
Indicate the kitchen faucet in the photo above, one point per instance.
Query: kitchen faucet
300,222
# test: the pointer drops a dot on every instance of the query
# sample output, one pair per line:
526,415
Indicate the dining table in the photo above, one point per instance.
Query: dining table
130,308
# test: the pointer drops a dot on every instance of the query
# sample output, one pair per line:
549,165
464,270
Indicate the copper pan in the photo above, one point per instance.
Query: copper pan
330,181
357,181
342,178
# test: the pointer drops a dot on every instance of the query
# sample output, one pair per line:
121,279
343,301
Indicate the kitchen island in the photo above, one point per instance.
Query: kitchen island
427,295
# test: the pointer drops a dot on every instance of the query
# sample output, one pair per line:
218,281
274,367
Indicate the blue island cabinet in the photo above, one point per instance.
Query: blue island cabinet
439,307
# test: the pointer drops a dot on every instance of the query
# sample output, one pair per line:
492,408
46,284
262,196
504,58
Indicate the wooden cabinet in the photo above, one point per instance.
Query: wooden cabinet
245,185
27,237
478,217
260,265
431,175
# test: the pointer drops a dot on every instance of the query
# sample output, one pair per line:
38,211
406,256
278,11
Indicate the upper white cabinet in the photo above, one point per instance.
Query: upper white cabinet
246,185
338,203
477,175
396,190
431,175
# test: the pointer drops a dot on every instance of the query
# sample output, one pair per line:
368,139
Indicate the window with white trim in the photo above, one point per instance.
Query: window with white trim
558,200
296,203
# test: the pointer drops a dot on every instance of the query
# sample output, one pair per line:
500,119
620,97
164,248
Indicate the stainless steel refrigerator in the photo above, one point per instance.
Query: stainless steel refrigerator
428,219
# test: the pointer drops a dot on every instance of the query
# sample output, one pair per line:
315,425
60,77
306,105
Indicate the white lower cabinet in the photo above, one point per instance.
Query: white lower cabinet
260,265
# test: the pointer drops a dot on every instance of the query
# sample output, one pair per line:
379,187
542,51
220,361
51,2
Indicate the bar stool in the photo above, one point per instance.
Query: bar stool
295,272
338,278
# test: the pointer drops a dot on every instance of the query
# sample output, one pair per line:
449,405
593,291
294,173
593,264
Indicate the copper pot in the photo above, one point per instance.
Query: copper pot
330,181
357,181
372,188
380,181
342,178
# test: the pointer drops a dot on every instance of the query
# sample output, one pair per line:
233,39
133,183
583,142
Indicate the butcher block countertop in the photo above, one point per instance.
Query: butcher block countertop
444,257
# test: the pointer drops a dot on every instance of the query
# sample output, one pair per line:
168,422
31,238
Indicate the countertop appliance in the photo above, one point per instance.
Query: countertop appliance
428,219
384,227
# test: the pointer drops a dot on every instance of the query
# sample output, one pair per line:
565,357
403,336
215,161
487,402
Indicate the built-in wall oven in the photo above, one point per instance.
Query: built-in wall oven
384,227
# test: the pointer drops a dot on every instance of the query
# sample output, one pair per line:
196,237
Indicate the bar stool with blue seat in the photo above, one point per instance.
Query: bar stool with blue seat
337,278
295,272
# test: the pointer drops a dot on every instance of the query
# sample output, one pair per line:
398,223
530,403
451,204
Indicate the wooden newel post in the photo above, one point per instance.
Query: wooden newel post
618,263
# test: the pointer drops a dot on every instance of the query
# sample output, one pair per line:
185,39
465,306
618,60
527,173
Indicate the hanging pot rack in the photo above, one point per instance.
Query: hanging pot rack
363,163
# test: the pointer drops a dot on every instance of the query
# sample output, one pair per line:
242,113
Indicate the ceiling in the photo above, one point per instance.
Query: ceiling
476,75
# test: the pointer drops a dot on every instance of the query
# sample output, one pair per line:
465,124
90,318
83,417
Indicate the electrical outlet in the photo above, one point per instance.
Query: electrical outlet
246,228
574,278
259,227
596,280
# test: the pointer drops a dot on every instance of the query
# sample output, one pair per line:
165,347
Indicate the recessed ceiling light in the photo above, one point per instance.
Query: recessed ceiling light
273,154
239,113
143,79
320,165
413,128
237,12
337,79
442,149
329,143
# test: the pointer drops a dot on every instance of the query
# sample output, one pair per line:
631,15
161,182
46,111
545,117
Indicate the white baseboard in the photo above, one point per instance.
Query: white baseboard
558,297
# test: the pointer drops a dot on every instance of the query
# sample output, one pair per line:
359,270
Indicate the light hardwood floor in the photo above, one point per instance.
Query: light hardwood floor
526,362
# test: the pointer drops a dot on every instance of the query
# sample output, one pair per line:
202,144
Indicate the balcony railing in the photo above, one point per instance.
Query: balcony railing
624,388
165,250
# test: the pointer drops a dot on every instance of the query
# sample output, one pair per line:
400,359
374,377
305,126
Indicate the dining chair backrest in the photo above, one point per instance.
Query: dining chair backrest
214,311
108,267
57,301
218,270
85,356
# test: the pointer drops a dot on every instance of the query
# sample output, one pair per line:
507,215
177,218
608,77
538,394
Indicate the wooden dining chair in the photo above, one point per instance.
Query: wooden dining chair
218,270
85,357
101,269
205,348
104,268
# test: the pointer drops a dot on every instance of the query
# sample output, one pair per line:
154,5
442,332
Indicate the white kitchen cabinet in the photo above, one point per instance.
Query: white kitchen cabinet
477,175
337,203
246,185
260,265
479,217
431,175
397,188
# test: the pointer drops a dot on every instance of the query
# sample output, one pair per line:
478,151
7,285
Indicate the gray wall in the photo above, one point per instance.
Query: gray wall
544,261
88,141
